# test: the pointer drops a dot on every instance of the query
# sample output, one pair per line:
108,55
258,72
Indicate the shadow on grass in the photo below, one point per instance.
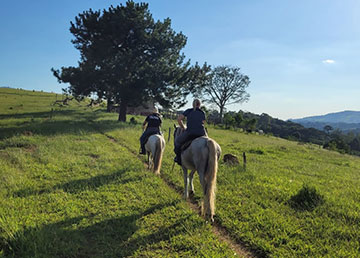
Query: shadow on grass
40,123
80,185
107,238
43,114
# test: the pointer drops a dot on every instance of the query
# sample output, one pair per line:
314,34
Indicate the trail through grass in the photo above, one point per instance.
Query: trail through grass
66,190
255,205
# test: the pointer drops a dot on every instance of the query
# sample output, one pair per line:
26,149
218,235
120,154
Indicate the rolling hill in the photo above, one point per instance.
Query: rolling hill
345,121
72,185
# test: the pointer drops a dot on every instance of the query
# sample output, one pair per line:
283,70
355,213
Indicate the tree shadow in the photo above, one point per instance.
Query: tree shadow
43,114
107,238
40,123
80,185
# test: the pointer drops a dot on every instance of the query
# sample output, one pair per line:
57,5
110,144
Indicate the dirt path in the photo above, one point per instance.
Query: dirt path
240,249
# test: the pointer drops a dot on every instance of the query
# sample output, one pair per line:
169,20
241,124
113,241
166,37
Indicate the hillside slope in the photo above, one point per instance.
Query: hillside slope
71,186
67,190
345,120
347,117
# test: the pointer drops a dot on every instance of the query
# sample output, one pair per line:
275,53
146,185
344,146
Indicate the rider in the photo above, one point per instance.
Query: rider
194,127
153,122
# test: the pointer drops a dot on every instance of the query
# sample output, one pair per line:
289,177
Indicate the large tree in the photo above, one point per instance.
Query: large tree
227,85
128,58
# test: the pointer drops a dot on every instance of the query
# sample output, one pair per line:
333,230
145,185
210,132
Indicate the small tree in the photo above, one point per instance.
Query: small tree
227,85
229,120
238,119
250,124
213,117
328,129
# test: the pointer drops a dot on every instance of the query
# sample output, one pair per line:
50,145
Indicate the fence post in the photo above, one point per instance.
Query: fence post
244,160
169,134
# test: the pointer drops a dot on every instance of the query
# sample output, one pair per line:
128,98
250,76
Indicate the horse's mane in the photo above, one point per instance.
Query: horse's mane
177,129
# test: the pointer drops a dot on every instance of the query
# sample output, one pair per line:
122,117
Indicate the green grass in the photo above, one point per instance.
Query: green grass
256,206
67,190
71,186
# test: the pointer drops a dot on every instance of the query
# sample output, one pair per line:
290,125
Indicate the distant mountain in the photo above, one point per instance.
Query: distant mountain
345,121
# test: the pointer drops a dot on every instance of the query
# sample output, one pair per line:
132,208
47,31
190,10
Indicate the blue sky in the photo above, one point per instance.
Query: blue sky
302,57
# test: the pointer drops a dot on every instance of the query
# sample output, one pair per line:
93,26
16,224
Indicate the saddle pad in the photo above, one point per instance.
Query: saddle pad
147,138
188,143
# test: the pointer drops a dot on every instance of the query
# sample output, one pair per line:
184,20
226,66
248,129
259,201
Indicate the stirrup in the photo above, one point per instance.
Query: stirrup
177,161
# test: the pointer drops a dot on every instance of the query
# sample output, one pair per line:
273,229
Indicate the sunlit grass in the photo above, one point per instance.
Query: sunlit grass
71,185
67,190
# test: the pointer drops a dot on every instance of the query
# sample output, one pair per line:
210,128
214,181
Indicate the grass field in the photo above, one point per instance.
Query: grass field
66,190
71,186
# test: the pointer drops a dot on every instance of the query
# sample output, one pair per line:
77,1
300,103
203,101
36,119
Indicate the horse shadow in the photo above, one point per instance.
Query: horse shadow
114,237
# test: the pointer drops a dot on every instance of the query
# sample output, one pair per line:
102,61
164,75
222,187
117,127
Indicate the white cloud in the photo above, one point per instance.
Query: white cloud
328,61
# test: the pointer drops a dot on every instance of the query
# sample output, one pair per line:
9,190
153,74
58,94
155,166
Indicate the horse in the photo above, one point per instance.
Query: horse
202,156
155,147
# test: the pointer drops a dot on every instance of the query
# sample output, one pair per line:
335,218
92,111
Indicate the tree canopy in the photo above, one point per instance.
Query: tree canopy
129,58
227,85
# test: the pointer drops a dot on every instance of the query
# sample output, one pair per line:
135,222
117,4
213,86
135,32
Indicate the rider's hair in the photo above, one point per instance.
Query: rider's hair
196,103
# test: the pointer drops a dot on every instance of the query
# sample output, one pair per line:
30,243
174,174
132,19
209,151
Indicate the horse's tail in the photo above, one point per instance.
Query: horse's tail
158,156
210,179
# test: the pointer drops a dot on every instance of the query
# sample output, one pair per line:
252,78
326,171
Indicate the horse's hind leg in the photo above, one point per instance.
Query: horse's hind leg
202,182
149,160
186,184
192,191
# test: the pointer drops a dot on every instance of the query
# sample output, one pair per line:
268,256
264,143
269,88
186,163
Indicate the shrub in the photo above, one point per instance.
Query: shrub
133,121
308,198
257,151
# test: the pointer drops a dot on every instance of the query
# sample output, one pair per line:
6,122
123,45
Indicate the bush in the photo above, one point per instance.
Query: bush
133,121
257,151
307,198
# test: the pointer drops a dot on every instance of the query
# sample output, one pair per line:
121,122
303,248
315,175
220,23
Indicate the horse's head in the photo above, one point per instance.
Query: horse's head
177,131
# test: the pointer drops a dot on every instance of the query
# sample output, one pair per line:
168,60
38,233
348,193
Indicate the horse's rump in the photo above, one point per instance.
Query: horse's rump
155,146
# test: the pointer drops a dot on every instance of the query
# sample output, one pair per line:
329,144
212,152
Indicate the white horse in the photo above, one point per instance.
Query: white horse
155,147
202,156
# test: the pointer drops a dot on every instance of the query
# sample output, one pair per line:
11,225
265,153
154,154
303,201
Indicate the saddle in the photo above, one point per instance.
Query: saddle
188,143
147,138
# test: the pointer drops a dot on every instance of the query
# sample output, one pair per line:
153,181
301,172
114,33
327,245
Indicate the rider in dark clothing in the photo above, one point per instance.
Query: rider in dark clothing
194,127
153,122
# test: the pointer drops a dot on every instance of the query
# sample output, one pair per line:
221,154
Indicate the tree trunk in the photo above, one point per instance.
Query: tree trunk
122,111
108,105
221,115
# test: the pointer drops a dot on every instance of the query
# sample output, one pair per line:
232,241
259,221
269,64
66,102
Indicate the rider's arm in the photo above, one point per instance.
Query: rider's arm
144,125
180,122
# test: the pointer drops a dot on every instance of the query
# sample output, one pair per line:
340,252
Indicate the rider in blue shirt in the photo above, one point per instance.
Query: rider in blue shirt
153,122
195,119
